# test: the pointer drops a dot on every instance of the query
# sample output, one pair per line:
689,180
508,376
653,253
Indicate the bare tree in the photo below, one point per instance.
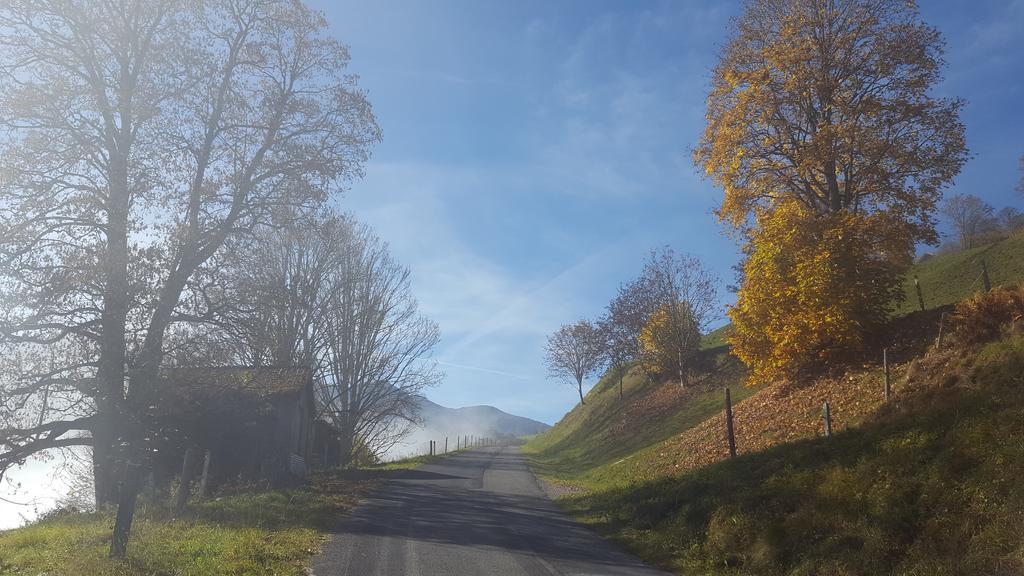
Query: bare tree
678,284
1020,183
969,215
326,293
1011,220
279,292
376,355
619,345
136,139
686,291
575,352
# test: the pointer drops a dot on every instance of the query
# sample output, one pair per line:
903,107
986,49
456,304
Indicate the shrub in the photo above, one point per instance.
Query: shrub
987,315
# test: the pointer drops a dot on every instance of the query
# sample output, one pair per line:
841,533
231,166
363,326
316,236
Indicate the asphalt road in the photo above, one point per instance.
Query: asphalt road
479,512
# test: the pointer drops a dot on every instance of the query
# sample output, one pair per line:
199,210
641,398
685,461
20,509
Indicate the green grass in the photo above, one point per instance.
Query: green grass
949,278
717,338
414,462
927,487
252,532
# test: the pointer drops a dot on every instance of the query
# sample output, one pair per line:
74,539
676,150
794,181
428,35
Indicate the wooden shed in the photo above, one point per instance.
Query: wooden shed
256,423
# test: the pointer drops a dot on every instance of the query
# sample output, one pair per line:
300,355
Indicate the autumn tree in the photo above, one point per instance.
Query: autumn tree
624,319
683,293
619,348
970,216
832,154
683,290
137,139
574,353
669,340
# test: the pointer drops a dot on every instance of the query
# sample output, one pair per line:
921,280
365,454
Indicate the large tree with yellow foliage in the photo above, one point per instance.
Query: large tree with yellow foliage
832,153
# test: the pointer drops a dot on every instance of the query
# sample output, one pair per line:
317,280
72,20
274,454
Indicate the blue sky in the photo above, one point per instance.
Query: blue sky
535,150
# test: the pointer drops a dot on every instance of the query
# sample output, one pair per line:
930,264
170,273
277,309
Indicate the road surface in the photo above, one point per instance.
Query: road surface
479,512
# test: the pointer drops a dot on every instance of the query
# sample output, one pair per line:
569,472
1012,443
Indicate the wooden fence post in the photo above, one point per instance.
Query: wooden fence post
885,367
984,277
728,424
206,474
188,468
828,419
920,296
942,320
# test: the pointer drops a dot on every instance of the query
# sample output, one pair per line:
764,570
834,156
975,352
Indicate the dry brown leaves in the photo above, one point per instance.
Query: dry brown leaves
778,414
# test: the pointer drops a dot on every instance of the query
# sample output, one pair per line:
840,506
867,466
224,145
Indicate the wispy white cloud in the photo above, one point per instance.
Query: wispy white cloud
481,369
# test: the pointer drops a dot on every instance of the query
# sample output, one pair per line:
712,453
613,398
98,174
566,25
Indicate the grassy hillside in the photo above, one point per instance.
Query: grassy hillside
949,278
662,429
928,485
652,470
593,441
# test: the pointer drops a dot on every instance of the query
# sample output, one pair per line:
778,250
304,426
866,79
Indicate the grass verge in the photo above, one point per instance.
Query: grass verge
250,532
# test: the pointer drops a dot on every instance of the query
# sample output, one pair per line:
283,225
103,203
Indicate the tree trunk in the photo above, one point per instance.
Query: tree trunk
579,388
111,369
679,359
104,462
346,445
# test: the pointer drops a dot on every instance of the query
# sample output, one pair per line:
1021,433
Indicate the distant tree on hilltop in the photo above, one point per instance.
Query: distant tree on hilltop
658,317
574,353
1020,184
1010,219
970,216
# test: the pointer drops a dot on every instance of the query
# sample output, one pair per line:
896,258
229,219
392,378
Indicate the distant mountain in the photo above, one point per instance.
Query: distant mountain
440,422
476,420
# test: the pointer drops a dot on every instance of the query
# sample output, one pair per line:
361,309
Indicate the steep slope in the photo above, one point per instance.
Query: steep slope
926,484
598,439
651,470
949,278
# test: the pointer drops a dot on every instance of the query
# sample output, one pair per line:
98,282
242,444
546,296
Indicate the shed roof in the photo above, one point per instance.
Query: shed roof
198,384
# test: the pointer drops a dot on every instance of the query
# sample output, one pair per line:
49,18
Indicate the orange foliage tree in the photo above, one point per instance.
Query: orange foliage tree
833,155
814,287
669,340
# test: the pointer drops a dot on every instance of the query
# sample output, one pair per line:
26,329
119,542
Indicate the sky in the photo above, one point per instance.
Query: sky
535,151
